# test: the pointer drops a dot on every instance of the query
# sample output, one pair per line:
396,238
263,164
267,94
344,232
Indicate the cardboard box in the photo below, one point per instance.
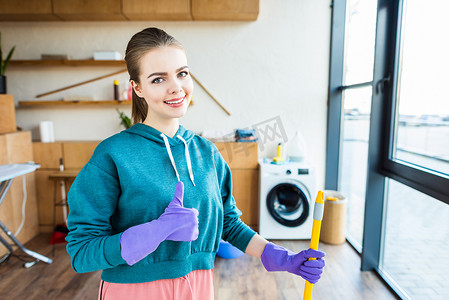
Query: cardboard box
17,148
7,114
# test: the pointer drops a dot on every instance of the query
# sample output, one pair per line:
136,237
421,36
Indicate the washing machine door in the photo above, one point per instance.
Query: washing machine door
288,204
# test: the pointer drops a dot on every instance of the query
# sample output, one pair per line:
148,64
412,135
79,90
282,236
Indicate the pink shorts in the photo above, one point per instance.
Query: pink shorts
197,285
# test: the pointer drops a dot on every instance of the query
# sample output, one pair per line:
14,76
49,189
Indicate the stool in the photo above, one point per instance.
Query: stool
63,178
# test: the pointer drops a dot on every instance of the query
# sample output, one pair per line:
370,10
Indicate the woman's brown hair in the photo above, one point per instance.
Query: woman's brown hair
142,42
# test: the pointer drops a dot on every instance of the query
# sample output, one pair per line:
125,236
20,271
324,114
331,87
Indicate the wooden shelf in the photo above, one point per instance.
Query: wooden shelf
68,62
33,103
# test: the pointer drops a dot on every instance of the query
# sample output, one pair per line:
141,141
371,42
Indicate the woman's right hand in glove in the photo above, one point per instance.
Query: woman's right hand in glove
183,221
177,223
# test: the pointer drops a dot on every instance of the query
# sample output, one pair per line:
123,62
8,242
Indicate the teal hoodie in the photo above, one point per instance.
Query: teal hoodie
130,180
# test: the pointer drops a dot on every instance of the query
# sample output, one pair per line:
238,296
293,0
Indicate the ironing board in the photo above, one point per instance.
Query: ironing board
7,174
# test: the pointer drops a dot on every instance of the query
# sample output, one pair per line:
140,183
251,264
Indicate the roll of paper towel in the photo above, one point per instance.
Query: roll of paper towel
47,131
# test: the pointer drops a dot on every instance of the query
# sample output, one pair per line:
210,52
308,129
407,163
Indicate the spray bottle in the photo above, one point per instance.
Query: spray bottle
279,159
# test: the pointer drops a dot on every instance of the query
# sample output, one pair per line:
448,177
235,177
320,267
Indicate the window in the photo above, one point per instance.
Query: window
359,41
354,158
415,248
416,153
422,117
388,138
360,25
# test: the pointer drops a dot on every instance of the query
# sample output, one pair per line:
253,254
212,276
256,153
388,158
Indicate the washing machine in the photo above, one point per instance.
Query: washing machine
286,194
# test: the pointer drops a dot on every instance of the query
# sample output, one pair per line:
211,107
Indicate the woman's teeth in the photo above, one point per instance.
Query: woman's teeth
174,102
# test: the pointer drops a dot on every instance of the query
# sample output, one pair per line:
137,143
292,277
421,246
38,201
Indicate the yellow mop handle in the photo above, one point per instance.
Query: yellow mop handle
317,217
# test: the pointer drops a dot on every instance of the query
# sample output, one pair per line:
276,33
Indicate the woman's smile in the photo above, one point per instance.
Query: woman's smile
176,102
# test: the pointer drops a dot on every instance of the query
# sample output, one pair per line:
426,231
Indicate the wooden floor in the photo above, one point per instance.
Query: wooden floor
242,278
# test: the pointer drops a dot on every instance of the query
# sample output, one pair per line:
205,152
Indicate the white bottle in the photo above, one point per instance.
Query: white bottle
297,148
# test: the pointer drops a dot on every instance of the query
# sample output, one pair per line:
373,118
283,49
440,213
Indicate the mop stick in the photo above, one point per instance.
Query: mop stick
81,83
210,95
316,229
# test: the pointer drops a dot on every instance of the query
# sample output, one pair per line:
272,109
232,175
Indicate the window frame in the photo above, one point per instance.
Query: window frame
381,165
427,181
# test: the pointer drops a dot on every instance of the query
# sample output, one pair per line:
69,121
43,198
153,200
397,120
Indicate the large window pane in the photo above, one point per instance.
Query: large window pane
354,158
358,68
359,41
422,129
416,242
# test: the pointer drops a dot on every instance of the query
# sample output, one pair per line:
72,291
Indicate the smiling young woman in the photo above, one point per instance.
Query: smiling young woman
159,74
165,85
124,218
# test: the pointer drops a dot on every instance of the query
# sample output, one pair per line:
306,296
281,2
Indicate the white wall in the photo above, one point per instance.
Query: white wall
276,66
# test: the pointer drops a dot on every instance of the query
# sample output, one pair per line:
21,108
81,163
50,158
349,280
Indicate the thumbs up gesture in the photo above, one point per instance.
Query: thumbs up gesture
183,221
177,223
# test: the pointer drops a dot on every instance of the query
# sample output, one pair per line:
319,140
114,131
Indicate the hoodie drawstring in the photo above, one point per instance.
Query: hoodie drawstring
170,155
189,163
167,146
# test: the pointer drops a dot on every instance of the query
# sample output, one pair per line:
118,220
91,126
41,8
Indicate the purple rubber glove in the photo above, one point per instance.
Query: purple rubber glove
277,258
177,223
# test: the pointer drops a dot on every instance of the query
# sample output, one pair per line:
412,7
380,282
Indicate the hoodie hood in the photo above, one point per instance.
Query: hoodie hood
154,135
181,137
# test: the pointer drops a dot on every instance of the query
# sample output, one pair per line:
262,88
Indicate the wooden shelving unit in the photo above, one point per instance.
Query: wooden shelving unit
56,103
129,10
68,62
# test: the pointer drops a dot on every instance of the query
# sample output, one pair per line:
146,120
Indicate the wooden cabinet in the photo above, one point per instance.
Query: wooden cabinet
239,155
241,158
225,10
82,10
27,10
132,10
47,155
17,148
7,113
141,10
245,184
75,155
